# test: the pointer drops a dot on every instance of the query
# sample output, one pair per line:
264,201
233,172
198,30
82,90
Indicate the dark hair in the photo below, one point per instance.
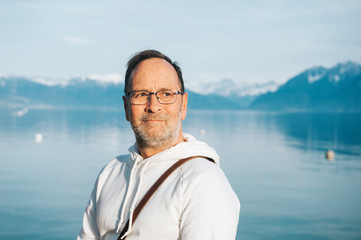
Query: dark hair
140,56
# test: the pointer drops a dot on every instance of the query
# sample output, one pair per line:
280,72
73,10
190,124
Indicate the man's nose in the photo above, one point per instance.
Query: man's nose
153,104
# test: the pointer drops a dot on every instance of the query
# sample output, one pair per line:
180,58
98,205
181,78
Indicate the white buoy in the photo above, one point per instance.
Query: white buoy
330,155
38,138
202,132
21,112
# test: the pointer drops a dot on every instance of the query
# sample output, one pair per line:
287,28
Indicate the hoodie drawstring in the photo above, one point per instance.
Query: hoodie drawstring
131,210
127,196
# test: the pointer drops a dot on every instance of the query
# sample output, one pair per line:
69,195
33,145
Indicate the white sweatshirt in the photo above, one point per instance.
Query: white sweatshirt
196,202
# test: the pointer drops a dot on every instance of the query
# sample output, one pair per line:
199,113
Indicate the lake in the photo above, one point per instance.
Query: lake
274,161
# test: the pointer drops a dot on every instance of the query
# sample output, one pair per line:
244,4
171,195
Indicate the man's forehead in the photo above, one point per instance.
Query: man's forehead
155,71
153,65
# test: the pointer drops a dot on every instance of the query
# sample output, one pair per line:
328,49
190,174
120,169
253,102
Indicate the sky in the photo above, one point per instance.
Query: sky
247,41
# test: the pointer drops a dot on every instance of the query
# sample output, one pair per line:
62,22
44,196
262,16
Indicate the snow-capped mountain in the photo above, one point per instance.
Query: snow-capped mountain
334,74
112,78
318,88
91,91
227,87
335,89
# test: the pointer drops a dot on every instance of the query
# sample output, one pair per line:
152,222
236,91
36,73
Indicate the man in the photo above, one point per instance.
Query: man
195,202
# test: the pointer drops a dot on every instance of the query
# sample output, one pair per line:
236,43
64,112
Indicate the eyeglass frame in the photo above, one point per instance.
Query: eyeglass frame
150,95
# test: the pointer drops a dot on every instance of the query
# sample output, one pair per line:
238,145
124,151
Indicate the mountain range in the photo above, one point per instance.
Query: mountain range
316,89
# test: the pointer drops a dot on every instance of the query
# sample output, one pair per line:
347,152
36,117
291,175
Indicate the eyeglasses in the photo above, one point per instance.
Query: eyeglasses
163,96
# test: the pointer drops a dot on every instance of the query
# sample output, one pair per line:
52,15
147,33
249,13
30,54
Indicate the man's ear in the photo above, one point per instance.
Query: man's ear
126,109
184,105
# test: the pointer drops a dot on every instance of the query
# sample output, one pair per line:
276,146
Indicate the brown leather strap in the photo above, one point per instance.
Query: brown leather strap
154,188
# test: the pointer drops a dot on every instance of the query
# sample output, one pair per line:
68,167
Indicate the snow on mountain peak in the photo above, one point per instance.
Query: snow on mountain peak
50,81
113,78
315,73
227,87
343,70
336,78
223,87
258,89
314,78
348,67
335,74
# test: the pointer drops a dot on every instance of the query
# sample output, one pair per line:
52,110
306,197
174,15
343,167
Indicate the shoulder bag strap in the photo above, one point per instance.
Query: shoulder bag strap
154,188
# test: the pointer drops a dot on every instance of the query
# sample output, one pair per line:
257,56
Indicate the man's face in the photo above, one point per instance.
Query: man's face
154,124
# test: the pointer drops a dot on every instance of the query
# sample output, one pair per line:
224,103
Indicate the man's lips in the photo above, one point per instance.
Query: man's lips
153,120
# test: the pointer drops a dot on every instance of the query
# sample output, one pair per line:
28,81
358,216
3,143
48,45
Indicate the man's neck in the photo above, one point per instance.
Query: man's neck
147,152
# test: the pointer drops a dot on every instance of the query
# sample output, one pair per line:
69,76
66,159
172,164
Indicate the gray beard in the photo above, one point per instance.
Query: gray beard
161,139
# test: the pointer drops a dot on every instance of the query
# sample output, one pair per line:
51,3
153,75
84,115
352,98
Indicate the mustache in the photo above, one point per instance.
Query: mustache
159,116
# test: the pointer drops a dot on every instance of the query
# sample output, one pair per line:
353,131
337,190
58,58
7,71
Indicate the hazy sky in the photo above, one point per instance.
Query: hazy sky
247,41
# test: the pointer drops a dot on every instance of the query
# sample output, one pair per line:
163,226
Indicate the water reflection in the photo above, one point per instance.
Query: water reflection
272,160
320,131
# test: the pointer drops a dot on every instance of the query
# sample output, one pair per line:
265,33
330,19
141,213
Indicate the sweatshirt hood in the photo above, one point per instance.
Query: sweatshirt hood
190,147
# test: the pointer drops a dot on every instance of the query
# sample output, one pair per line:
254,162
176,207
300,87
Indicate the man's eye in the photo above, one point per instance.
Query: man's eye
141,94
166,94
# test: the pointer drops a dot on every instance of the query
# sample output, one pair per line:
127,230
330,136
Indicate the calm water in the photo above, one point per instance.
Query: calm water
274,161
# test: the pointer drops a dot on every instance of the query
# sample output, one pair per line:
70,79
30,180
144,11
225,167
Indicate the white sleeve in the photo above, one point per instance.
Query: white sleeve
90,229
210,206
